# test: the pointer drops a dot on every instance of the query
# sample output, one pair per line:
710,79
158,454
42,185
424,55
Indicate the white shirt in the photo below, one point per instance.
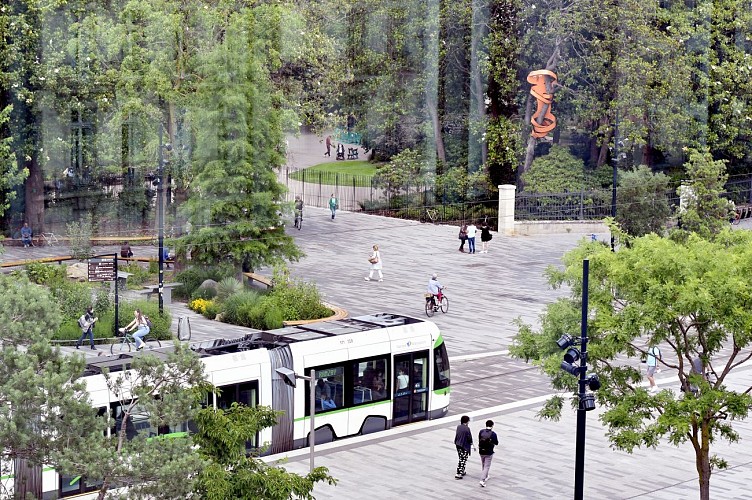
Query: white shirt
471,230
433,286
402,381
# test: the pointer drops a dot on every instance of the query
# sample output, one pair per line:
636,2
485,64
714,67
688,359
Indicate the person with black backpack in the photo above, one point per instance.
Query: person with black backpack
487,439
86,324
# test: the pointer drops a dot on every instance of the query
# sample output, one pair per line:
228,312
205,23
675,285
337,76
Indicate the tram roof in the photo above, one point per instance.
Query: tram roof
271,339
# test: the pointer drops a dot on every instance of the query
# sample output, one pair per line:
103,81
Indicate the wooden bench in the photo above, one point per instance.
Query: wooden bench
146,259
166,291
743,210
264,280
41,260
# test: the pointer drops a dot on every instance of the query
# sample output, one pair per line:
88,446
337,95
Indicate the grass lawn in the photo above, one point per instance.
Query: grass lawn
340,173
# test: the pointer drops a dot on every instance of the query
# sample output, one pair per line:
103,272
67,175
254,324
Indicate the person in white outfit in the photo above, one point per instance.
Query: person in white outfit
375,260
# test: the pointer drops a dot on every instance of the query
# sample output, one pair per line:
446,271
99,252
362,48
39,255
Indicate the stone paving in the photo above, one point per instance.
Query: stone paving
534,461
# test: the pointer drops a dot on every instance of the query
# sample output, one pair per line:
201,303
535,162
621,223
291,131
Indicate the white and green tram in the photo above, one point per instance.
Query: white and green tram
372,373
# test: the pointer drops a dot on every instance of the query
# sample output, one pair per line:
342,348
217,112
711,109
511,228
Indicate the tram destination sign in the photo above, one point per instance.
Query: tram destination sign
102,269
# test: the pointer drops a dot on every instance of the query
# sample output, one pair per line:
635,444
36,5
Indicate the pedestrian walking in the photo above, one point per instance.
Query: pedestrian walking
86,323
463,237
471,230
375,260
328,146
485,237
654,354
463,440
333,205
487,439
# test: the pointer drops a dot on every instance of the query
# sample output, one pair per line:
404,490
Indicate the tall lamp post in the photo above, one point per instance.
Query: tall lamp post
289,376
160,216
586,399
615,162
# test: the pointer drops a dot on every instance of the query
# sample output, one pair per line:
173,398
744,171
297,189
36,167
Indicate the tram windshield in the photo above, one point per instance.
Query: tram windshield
441,363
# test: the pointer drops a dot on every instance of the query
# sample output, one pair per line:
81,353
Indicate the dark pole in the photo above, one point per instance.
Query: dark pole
579,461
615,161
160,221
117,326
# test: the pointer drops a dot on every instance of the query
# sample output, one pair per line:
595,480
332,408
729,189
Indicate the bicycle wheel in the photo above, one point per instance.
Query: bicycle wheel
153,344
120,347
429,308
444,304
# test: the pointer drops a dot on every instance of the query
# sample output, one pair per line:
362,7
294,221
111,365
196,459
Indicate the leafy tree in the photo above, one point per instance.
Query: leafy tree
166,392
643,205
557,172
690,297
405,169
41,408
234,206
10,175
703,210
232,473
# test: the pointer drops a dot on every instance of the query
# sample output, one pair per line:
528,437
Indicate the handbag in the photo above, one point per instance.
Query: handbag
373,260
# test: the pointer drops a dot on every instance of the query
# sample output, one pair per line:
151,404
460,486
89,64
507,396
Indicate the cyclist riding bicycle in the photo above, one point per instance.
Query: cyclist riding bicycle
434,288
298,210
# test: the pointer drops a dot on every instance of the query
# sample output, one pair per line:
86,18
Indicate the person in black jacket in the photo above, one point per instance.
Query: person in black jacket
487,439
463,440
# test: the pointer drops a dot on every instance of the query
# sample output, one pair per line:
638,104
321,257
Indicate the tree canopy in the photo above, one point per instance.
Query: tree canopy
692,298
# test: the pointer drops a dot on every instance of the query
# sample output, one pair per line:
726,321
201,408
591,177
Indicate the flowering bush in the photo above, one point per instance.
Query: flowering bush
199,305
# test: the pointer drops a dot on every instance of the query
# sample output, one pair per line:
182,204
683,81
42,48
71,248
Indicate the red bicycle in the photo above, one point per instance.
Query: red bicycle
436,303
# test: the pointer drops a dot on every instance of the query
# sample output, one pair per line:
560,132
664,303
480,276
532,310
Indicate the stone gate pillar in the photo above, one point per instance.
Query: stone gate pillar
506,209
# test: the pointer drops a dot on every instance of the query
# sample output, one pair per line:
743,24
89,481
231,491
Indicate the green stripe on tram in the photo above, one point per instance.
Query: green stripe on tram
171,435
439,341
353,408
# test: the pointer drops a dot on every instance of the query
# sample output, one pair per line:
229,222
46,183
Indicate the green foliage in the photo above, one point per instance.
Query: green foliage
205,292
73,297
230,473
79,237
212,309
228,286
45,274
139,275
642,203
295,300
178,381
703,210
557,172
692,297
236,309
11,175
405,169
192,278
38,382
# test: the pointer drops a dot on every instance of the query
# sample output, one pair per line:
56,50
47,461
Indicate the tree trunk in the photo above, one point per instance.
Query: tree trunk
434,113
34,195
702,459
27,479
481,110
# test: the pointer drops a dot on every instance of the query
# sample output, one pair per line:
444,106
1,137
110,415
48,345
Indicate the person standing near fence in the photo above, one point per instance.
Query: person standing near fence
485,237
375,260
333,205
463,237
471,230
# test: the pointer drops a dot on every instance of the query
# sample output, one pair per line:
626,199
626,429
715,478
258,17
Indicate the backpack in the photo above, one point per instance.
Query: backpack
484,440
148,322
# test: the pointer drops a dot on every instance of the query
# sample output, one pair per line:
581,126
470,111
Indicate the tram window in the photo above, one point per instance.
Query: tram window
329,388
441,372
369,381
245,393
419,373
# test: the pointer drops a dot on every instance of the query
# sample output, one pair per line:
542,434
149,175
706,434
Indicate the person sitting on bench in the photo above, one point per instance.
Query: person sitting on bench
26,235
340,151
125,250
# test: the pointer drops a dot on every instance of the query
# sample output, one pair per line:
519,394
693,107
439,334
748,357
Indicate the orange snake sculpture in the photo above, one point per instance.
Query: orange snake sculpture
543,120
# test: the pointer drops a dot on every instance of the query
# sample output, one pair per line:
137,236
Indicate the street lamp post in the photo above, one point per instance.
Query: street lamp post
585,380
289,376
615,162
160,216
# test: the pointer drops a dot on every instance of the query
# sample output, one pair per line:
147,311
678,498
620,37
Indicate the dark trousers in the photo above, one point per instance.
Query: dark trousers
462,244
90,333
462,454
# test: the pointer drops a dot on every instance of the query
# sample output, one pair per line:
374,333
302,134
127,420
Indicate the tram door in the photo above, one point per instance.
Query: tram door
410,388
